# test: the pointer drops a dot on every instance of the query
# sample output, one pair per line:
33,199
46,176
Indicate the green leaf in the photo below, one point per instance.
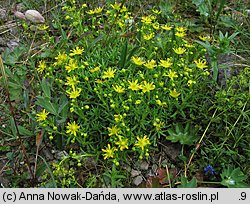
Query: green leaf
214,65
132,52
206,45
63,109
63,104
233,178
222,4
40,170
23,131
12,57
123,54
187,135
13,127
187,184
10,156
47,105
231,37
46,88
202,7
49,171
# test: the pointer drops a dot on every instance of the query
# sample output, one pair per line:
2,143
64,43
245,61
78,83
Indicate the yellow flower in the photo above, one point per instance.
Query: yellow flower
41,66
94,69
138,102
147,87
137,60
158,125
71,66
181,29
122,143
166,27
189,45
119,89
174,93
74,93
191,82
109,152
123,9
156,26
201,64
160,103
121,24
166,63
172,74
155,11
188,69
98,10
150,64
43,27
133,85
146,20
110,73
148,36
72,81
42,115
118,117
99,81
76,51
179,50
203,38
60,58
114,130
84,5
116,6
180,34
72,128
142,142
90,12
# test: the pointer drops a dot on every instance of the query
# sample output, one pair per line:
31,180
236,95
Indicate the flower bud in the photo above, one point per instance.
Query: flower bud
34,16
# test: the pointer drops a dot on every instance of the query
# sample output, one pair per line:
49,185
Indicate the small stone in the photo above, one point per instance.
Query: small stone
34,16
154,168
150,173
135,173
138,180
12,44
3,14
144,165
19,15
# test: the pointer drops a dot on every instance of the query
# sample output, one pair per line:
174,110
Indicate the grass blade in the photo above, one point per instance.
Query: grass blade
123,54
222,3
50,172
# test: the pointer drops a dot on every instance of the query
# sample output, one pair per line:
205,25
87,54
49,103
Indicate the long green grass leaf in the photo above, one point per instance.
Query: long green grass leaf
222,3
3,72
123,54
49,171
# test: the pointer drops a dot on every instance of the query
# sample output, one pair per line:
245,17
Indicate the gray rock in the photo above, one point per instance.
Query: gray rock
3,15
12,44
144,165
135,173
138,180
154,168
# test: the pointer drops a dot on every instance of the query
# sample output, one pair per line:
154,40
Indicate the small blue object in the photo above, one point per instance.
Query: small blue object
209,170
